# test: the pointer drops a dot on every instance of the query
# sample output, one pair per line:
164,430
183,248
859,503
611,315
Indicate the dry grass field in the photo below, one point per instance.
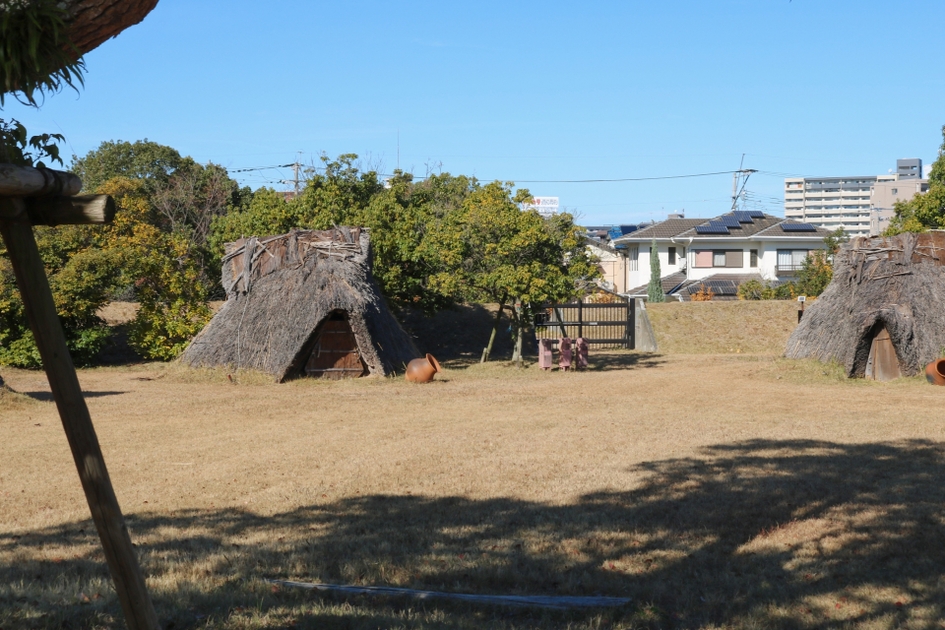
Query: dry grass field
713,483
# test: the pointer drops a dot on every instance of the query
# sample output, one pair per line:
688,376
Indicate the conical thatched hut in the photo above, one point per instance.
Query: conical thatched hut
303,303
883,315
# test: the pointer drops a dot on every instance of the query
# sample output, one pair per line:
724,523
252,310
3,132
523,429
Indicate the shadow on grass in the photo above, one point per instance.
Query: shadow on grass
773,534
605,361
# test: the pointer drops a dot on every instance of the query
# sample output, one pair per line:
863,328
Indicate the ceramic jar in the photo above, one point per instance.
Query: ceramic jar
422,370
935,372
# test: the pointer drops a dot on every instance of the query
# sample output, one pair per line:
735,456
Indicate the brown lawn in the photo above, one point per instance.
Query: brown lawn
729,489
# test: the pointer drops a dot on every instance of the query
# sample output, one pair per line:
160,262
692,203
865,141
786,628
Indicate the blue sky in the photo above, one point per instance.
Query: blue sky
527,91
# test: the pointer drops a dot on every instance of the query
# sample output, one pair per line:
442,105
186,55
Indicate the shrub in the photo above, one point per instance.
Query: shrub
757,290
704,294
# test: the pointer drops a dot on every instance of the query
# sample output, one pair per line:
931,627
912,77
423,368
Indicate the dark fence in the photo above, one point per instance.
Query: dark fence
602,325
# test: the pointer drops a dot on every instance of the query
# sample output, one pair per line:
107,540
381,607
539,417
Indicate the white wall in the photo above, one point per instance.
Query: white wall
642,275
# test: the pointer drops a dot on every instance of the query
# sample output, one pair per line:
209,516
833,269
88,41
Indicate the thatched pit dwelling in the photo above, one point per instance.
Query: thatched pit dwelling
883,315
303,304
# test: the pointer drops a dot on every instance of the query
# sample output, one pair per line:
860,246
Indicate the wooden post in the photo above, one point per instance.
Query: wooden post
50,339
631,323
580,307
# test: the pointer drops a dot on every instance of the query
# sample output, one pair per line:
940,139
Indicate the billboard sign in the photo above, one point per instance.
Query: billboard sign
544,205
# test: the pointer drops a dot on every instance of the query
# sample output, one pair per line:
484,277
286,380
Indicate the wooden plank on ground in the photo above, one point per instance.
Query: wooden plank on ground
533,601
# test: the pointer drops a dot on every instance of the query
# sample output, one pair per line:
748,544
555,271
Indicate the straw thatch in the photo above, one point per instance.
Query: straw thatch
897,283
282,289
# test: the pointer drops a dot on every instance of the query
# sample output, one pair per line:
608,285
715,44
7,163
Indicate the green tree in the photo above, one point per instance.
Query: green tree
143,160
398,214
81,276
399,218
654,290
815,274
926,210
164,269
491,250
184,197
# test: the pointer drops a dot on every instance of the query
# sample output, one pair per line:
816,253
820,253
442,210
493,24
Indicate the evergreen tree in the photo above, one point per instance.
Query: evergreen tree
654,292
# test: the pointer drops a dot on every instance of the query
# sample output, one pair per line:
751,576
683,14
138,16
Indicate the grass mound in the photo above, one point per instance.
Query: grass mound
735,327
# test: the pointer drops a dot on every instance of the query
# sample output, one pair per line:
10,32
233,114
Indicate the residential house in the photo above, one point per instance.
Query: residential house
718,253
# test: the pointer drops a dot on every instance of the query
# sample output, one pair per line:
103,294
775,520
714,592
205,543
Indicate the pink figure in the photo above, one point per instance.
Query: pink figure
545,359
564,352
581,347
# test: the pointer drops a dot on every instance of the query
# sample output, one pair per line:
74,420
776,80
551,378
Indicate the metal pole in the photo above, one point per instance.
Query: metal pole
51,342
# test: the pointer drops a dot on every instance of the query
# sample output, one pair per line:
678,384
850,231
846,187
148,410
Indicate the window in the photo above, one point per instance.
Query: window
895,191
732,258
753,258
672,255
791,259
633,256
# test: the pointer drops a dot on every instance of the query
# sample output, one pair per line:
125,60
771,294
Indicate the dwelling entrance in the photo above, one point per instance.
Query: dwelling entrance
335,354
883,364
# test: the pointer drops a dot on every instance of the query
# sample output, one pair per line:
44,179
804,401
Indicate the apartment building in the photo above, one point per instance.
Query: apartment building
851,202
884,196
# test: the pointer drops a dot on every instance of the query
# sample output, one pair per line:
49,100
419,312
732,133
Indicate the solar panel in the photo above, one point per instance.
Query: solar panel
730,221
798,227
711,229
756,214
742,216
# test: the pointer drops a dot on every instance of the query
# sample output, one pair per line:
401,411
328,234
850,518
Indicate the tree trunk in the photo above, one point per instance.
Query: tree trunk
495,327
91,22
518,329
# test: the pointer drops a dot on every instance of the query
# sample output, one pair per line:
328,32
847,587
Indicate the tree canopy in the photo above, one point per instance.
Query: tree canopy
925,211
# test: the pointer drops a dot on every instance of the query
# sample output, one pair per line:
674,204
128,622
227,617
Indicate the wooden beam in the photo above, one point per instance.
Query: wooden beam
47,331
532,601
26,181
84,209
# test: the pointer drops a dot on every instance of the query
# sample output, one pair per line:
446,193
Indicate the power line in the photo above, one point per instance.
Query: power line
259,168
622,179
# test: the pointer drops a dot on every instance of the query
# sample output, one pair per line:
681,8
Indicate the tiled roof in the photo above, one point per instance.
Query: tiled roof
669,283
746,229
663,229
766,225
777,230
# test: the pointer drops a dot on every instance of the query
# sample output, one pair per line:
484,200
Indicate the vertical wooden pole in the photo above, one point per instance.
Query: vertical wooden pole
580,318
631,323
47,330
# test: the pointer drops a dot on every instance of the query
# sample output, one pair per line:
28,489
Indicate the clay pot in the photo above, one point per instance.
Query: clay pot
935,372
422,370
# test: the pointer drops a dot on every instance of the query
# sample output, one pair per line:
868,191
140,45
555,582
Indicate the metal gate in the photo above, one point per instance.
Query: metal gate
602,325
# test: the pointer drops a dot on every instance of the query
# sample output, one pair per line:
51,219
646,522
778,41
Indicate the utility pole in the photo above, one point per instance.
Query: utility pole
296,169
741,175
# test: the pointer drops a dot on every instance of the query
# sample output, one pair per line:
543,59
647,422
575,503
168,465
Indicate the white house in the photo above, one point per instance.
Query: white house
719,253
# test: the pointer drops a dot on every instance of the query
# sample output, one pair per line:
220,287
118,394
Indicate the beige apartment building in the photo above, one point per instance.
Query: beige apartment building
861,205
885,194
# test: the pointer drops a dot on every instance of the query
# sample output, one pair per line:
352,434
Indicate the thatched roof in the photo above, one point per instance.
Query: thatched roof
897,283
281,289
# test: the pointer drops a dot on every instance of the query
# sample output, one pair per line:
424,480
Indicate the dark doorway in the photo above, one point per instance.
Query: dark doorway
335,354
883,364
